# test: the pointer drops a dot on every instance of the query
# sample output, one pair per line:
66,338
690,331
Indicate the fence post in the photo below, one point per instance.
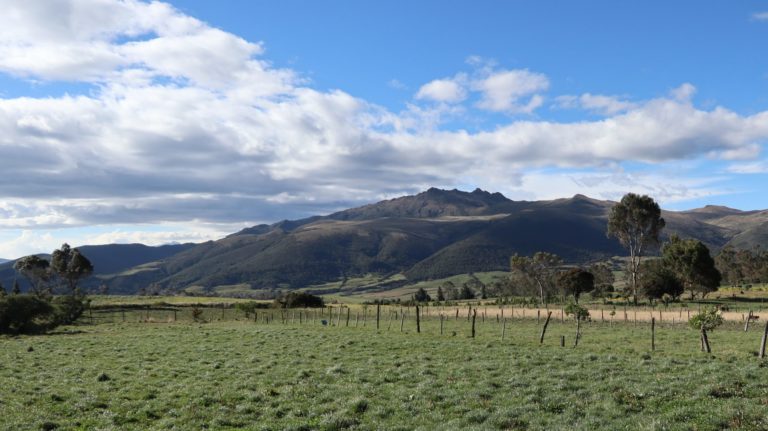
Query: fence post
503,329
746,324
378,314
418,321
762,343
653,334
474,317
544,329
441,323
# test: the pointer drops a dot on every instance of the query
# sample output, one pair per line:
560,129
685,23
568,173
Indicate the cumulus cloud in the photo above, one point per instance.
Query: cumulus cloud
760,16
512,91
188,125
597,103
449,90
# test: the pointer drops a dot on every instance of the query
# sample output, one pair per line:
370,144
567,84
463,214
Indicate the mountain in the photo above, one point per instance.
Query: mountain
107,260
434,234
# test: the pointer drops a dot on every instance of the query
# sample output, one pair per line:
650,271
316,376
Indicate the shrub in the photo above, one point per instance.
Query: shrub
708,319
577,311
25,314
67,309
299,300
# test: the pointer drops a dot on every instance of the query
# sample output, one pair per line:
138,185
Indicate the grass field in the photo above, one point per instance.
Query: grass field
236,374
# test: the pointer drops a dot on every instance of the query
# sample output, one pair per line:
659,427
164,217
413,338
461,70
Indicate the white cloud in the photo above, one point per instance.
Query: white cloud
760,16
758,167
506,91
449,90
597,103
684,92
226,138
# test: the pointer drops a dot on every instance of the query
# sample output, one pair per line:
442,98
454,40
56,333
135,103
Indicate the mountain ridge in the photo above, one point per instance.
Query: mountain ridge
432,234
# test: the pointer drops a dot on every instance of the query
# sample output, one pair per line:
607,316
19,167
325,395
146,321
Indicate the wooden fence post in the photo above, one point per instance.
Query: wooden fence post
544,329
378,314
474,317
418,321
503,329
348,311
441,323
653,334
357,318
402,321
562,341
762,343
749,318
705,340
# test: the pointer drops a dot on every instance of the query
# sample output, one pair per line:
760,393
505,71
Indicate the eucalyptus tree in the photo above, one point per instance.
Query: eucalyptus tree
637,223
540,268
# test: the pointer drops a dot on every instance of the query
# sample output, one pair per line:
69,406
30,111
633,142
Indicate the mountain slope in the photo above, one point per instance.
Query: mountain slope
433,234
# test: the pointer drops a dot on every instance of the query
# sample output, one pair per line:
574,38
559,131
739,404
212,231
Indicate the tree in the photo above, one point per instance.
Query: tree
604,279
450,290
2,291
690,260
466,292
727,262
421,295
440,294
37,271
540,268
706,320
575,281
16,288
579,313
636,222
71,266
658,280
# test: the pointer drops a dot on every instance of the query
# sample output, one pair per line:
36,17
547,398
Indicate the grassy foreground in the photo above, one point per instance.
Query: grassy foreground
238,374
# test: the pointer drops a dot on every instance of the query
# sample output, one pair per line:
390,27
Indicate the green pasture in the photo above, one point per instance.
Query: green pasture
270,372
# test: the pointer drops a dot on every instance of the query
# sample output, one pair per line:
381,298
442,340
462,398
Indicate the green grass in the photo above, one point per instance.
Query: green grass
236,374
135,300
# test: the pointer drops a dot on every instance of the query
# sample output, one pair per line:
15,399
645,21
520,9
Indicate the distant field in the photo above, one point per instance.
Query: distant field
232,373
126,300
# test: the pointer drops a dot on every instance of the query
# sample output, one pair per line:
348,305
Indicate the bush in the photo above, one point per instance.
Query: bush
67,309
577,311
299,300
250,307
26,314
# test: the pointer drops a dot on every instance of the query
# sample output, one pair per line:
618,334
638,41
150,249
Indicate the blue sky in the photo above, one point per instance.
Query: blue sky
128,121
